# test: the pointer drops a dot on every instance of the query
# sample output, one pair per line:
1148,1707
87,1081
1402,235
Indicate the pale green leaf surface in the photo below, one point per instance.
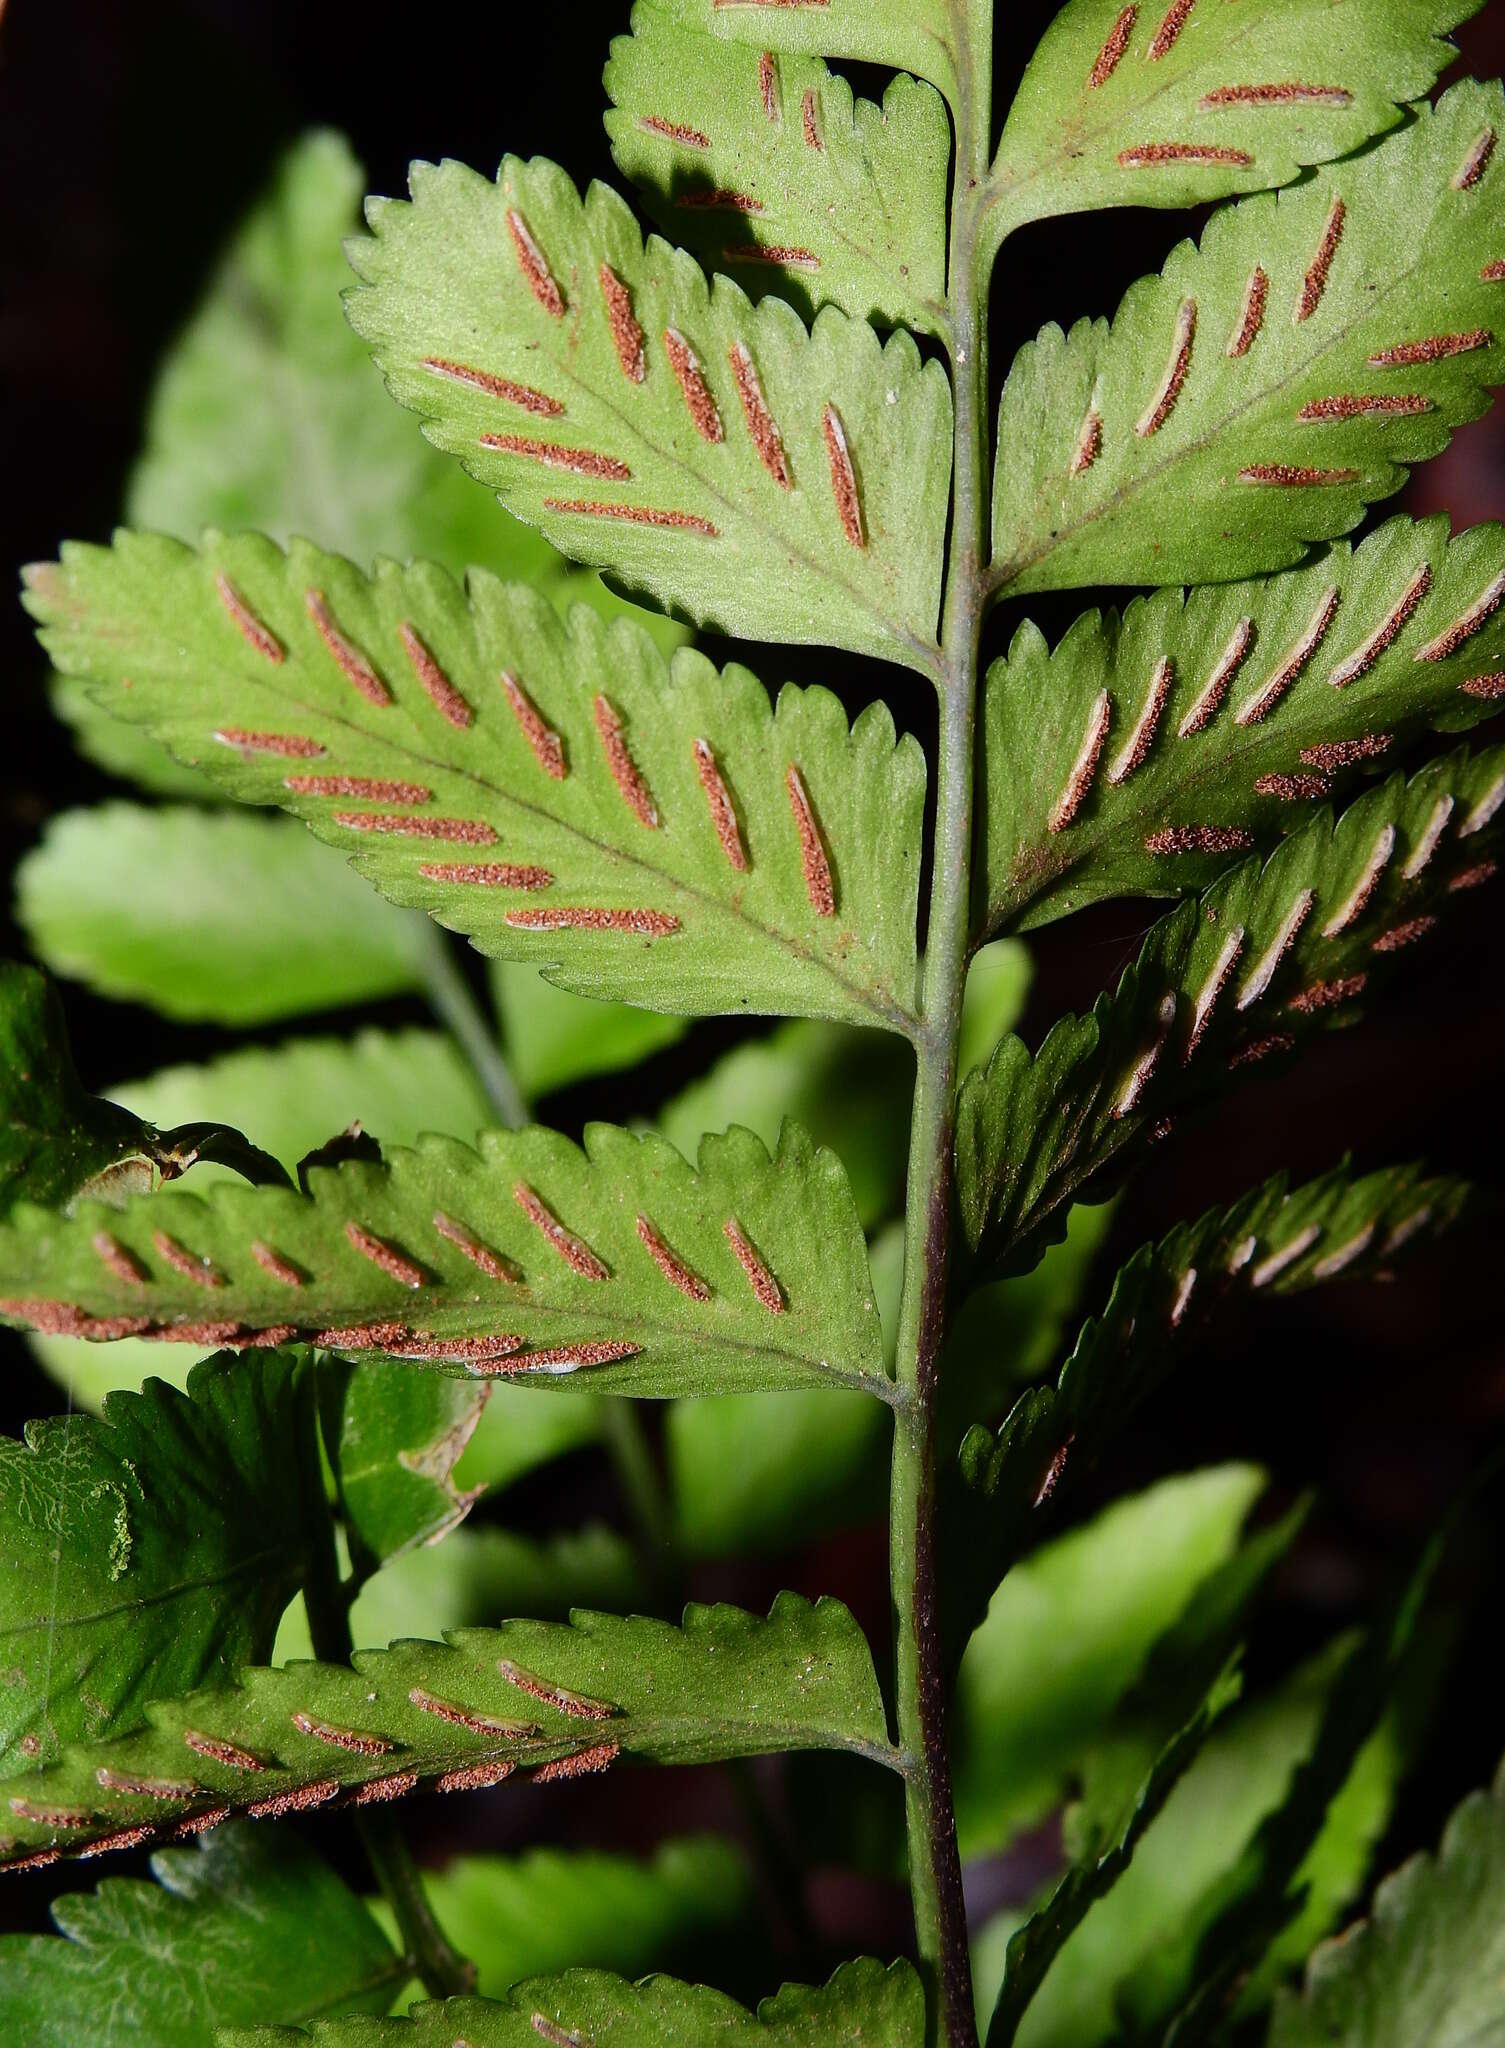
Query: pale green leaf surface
725,1684
126,751
1368,688
521,1428
1338,1227
553,1039
1205,469
149,1552
1268,953
1241,1774
474,1575
769,169
395,1084
56,1139
850,1089
503,279
472,822
769,1472
620,1262
210,916
1067,1634
266,413
1256,1901
250,1927
393,1440
547,1911
1260,90
946,41
863,2006
1036,1946
1429,1962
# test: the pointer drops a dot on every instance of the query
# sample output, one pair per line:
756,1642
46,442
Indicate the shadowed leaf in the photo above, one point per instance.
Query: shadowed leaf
863,2006
1429,1962
769,169
1266,955
147,1552
249,1928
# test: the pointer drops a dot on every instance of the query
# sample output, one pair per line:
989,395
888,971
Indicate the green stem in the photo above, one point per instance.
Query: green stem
450,999
443,1971
934,1863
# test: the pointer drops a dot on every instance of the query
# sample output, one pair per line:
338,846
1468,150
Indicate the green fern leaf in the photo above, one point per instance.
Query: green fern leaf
927,37
250,1927
1429,1962
1267,386
148,1552
531,1260
1227,711
56,1140
770,170
1269,953
645,831
549,1910
765,480
1068,1635
1042,1937
863,2006
561,1700
1276,1240
211,916
1171,104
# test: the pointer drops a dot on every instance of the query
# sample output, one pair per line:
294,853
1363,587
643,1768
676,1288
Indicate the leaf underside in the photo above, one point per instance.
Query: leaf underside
561,1700
863,2006
1266,955
252,1926
759,478
1428,1962
1268,385
1225,711
618,1265
1245,95
555,791
902,35
769,169
148,1552
1277,1240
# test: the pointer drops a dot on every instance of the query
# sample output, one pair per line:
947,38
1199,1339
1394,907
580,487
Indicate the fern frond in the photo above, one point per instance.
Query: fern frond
560,1700
619,1266
1268,385
1277,1240
1271,952
149,1551
1165,105
770,170
765,479
648,831
1218,717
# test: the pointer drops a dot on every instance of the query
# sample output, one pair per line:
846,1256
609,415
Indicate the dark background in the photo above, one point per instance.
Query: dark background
131,138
